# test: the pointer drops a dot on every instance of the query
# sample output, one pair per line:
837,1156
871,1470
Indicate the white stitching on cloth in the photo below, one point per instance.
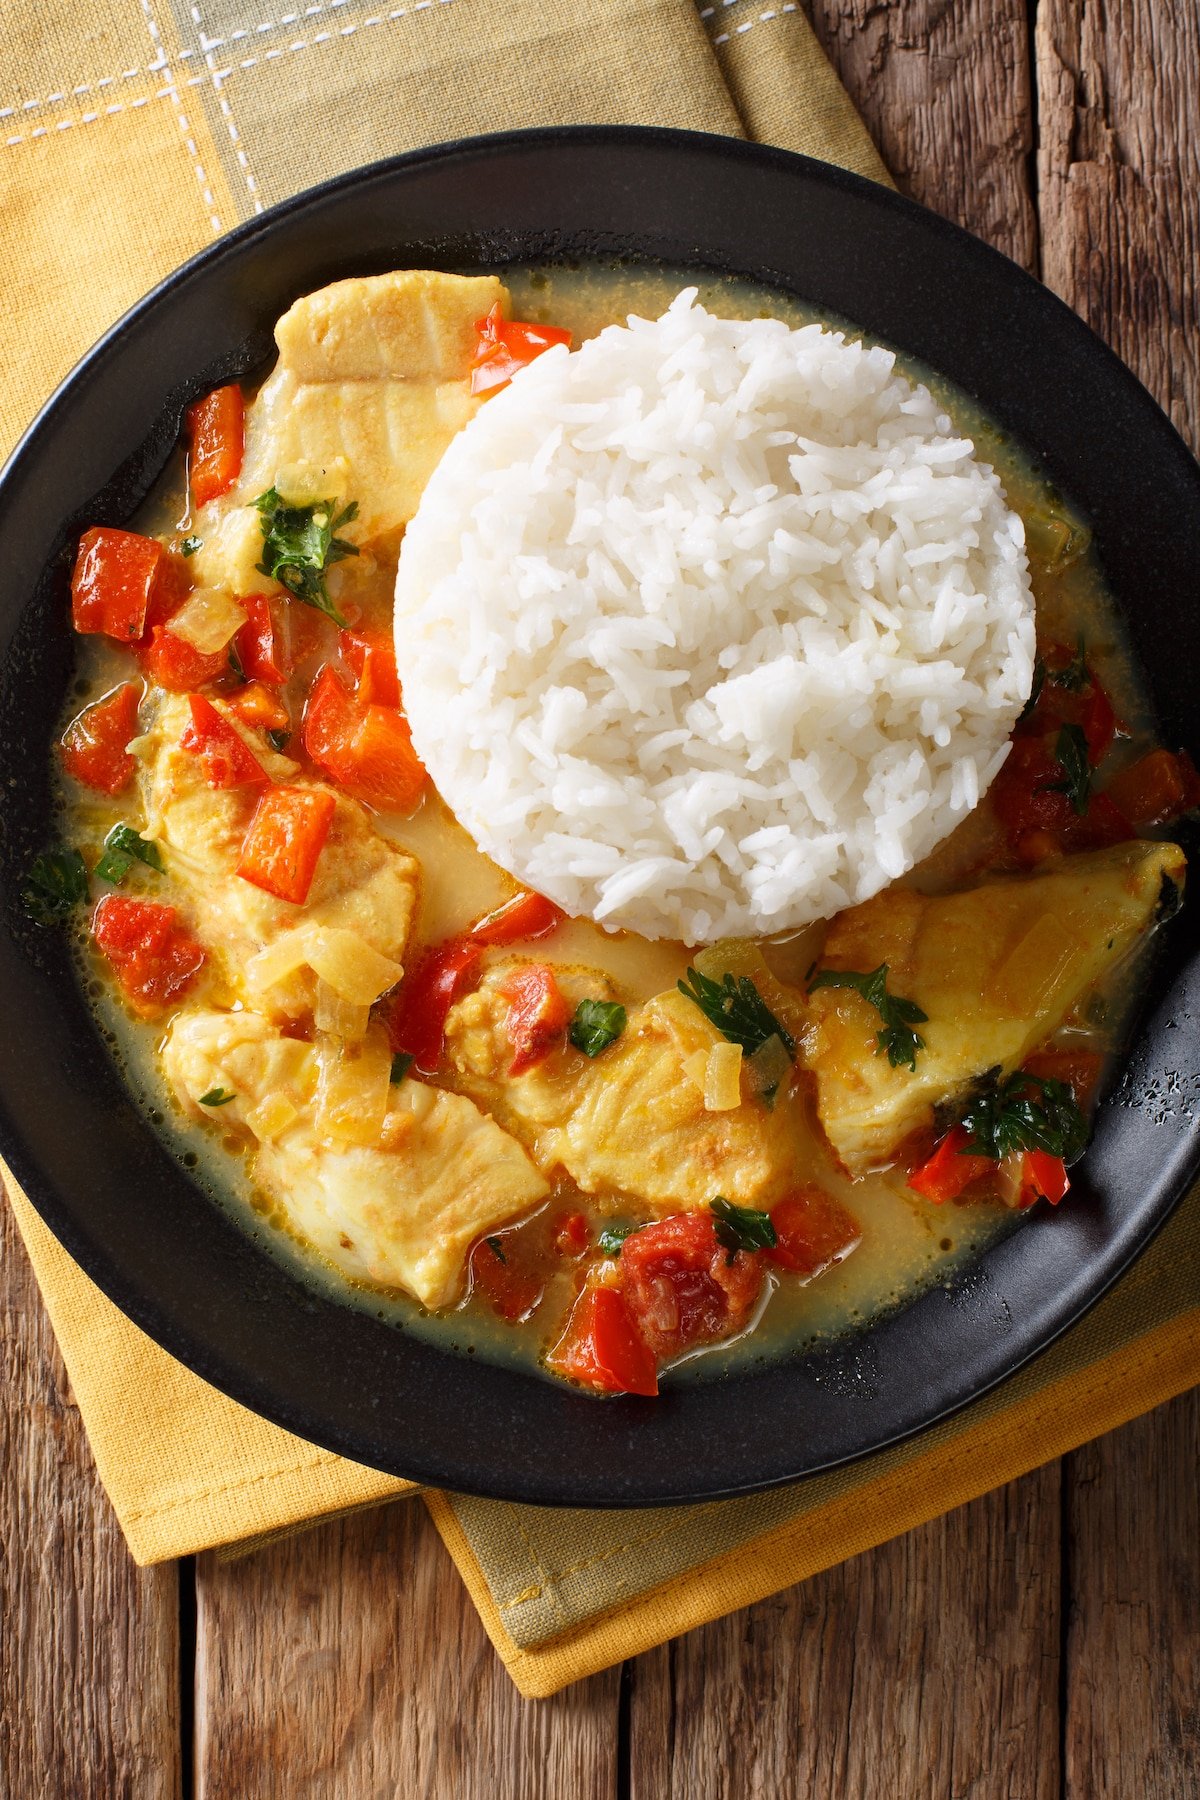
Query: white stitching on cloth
171,92
774,12
227,113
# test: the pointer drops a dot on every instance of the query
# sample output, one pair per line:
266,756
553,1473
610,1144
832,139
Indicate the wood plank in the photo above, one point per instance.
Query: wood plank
350,1662
928,1666
89,1648
944,88
1119,175
1132,1722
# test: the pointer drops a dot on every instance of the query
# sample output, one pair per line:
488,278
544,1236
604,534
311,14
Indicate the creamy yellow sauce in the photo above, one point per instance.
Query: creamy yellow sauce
906,1244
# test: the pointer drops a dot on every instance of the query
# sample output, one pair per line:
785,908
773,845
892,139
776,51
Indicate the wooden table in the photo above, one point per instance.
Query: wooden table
1044,1641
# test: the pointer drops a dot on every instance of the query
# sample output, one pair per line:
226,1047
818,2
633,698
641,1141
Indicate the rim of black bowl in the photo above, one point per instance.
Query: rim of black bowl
76,1139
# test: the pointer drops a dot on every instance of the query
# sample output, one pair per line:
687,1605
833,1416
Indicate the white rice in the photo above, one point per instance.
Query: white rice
712,628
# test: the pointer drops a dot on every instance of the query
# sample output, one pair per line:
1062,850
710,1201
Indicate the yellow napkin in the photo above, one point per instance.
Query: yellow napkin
131,135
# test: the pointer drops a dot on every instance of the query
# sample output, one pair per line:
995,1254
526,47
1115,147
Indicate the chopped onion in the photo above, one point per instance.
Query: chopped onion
272,1116
695,1067
355,1083
770,1066
350,966
277,961
302,482
341,1018
207,620
723,1078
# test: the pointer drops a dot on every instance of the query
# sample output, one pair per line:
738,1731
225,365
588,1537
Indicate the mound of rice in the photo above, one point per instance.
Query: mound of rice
712,628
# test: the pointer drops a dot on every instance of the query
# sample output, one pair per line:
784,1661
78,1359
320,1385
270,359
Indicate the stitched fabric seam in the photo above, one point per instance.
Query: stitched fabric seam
172,92
325,1460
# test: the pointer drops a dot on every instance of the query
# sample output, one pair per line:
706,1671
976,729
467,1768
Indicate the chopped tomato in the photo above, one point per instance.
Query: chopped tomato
155,959
112,581
93,745
683,1287
225,757
367,750
538,1015
177,666
1099,723
526,915
259,707
1043,1177
261,643
1156,788
372,657
417,1022
506,345
1038,817
812,1230
601,1347
950,1169
572,1234
286,836
172,585
216,440
510,1290
1079,1069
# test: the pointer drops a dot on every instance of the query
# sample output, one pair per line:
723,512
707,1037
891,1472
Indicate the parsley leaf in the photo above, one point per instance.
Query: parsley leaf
596,1025
217,1096
299,544
235,661
496,1248
1076,676
1071,755
190,545
1024,1112
737,1009
122,848
54,884
613,1236
402,1062
279,740
1035,692
899,1016
740,1227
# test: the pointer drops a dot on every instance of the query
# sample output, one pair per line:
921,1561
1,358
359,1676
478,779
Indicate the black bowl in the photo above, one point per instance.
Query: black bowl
78,1142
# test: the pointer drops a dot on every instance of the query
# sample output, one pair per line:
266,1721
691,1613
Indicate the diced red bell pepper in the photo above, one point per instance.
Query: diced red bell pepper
1043,1177
93,745
259,707
506,345
177,666
154,958
216,442
261,643
1157,788
525,916
572,1234
812,1230
601,1347
683,1287
944,1175
112,581
417,1021
510,1290
1079,1069
372,657
225,757
367,750
172,585
285,838
538,1015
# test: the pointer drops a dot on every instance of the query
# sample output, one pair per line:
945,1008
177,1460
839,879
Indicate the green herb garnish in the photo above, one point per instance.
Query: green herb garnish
740,1227
122,848
1076,676
235,661
737,1009
899,1016
279,740
190,545
613,1236
1024,1112
299,545
1071,755
402,1062
1035,691
496,1248
596,1025
217,1096
54,884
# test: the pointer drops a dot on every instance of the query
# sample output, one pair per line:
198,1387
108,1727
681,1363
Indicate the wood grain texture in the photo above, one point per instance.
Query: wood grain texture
1132,1722
927,1668
1119,176
89,1665
944,88
349,1664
